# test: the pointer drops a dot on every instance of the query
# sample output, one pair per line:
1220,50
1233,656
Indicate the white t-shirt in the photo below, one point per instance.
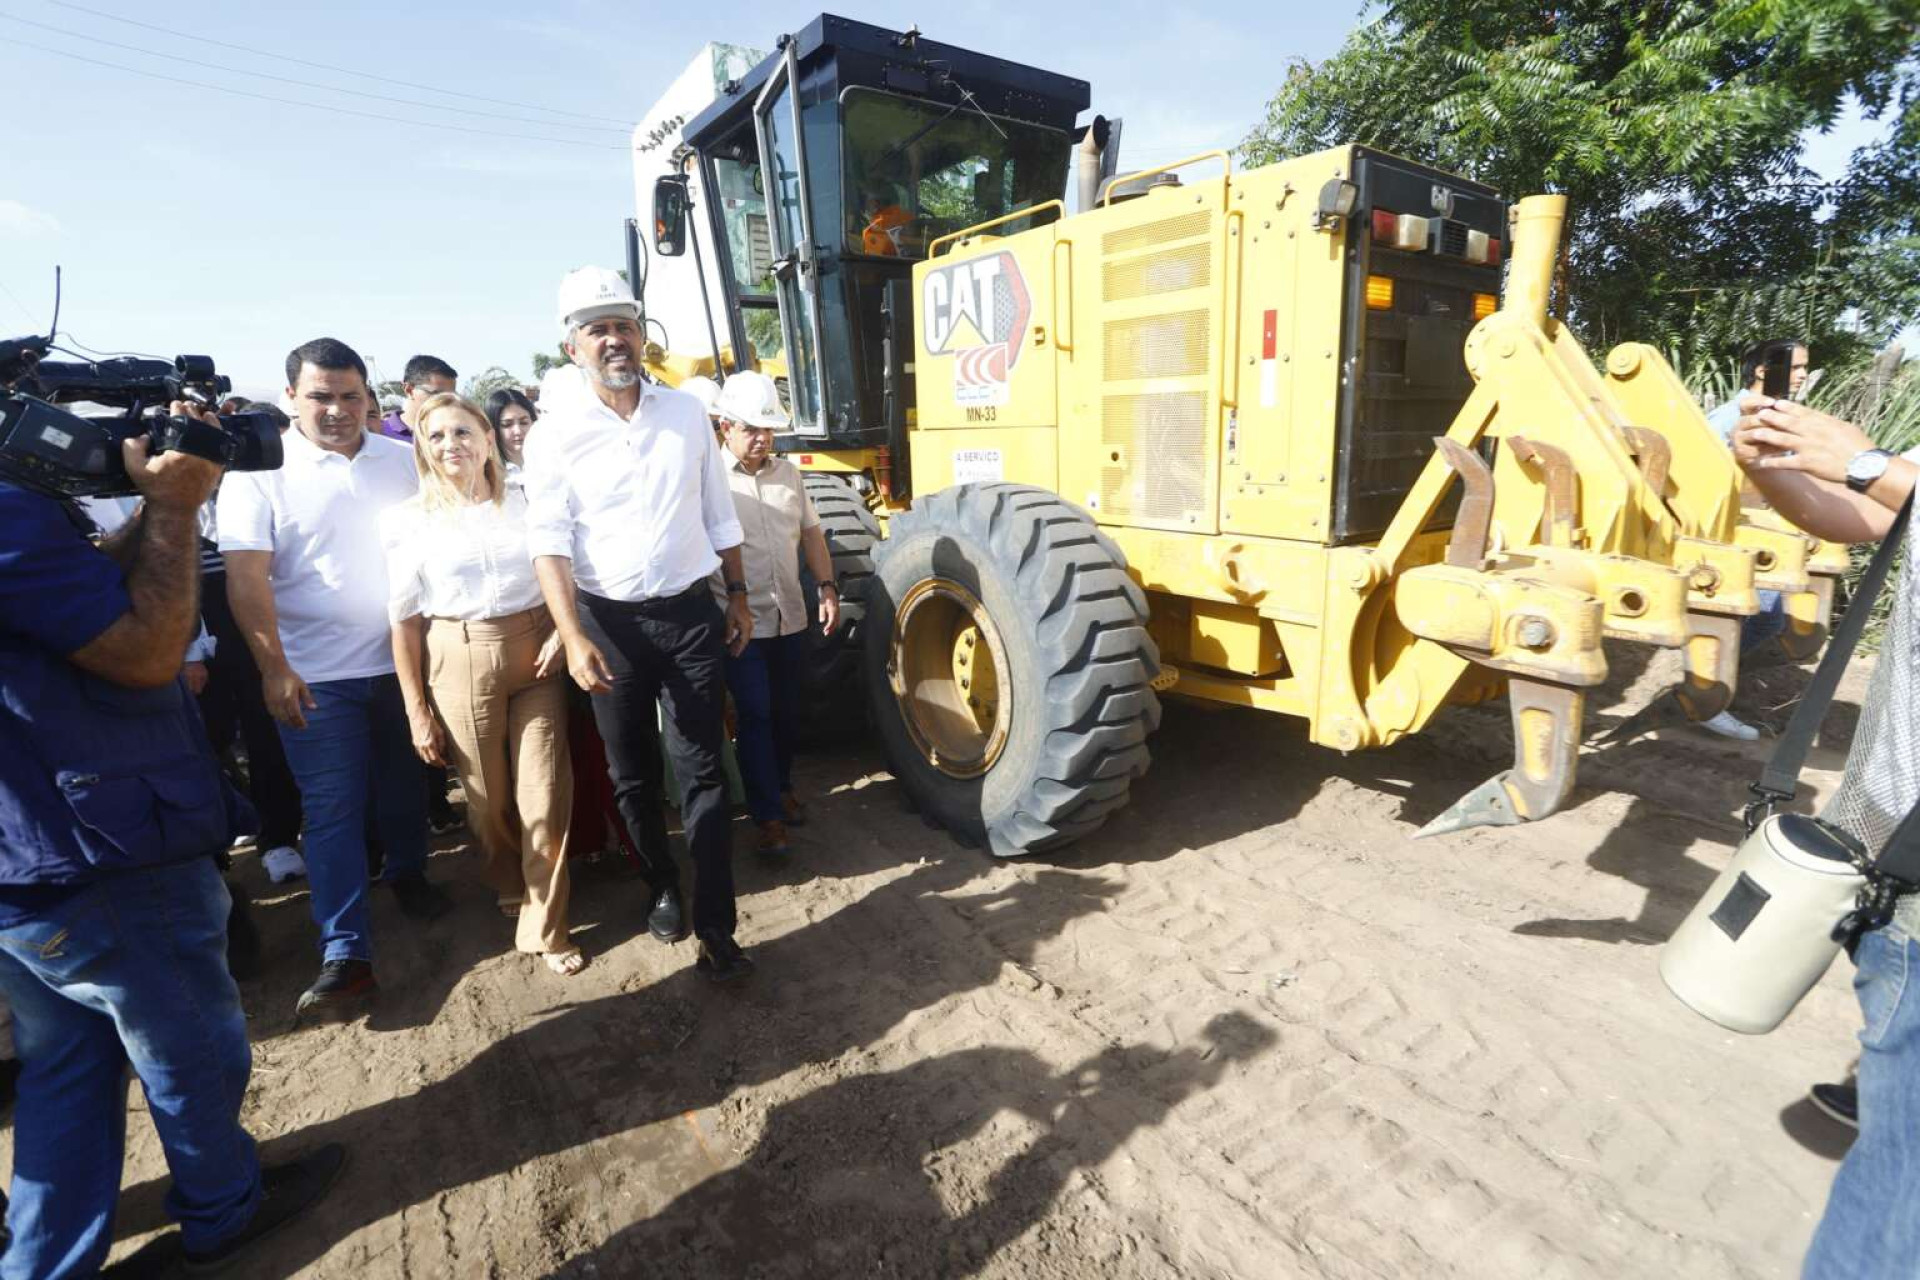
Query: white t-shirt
641,506
319,515
469,562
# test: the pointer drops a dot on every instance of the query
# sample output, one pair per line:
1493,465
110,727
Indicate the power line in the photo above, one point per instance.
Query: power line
16,301
328,66
307,84
314,106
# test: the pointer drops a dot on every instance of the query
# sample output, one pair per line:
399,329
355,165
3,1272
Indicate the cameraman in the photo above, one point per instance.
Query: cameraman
112,913
1827,477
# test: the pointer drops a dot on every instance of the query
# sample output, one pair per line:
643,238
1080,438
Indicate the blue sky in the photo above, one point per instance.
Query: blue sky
192,220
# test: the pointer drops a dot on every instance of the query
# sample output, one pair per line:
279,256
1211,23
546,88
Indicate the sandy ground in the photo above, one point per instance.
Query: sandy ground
1251,1029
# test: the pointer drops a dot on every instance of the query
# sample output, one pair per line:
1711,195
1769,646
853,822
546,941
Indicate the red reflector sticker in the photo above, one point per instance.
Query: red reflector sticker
1270,336
806,459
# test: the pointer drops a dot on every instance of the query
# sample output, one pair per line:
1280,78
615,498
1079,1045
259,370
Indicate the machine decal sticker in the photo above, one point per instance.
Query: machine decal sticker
977,312
1269,364
973,466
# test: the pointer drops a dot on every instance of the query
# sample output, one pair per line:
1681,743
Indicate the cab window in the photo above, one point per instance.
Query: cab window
917,170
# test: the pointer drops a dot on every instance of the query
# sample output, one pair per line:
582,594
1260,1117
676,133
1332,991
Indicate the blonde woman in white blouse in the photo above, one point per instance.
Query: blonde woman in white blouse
481,668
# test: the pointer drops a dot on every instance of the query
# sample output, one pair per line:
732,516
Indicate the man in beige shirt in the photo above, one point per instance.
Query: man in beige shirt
770,499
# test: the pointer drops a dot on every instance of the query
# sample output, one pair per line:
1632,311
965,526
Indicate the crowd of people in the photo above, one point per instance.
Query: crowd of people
547,602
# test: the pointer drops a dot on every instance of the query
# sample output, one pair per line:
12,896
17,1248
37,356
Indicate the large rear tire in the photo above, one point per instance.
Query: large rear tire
835,707
1008,666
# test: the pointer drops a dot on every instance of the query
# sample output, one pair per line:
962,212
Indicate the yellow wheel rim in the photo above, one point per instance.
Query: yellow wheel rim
948,671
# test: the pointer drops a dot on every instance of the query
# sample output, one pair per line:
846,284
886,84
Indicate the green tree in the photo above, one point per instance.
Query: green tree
1675,128
545,362
483,384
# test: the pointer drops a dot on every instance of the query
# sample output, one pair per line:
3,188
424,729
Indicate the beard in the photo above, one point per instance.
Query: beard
614,379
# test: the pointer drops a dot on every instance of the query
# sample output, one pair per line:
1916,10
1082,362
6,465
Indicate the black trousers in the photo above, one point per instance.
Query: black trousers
233,703
668,651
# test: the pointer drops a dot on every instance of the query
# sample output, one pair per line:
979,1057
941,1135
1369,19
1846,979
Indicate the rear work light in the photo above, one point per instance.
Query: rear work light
1417,233
1379,293
1484,305
1400,230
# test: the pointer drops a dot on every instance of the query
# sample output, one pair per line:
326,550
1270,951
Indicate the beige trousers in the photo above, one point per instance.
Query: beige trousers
507,736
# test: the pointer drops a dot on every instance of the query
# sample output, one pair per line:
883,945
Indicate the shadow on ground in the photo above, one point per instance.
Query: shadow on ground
578,1095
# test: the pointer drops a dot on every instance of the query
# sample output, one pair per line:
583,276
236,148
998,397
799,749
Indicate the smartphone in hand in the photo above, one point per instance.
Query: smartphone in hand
1777,370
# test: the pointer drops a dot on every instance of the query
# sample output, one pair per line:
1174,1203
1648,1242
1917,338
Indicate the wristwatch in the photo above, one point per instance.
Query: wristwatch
736,588
1866,467
828,586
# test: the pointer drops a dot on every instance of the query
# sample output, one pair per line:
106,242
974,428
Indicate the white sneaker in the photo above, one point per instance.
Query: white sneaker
284,864
1727,726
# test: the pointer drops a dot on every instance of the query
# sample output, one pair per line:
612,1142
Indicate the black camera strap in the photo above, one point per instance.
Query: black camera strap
1780,780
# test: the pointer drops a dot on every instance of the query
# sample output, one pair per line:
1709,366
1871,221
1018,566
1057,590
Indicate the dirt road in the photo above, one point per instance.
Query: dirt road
1249,1030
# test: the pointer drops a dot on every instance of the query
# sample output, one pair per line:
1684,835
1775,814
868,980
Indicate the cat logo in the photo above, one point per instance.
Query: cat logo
977,312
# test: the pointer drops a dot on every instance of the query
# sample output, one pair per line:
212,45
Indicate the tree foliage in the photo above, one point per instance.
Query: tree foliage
478,387
545,362
1675,127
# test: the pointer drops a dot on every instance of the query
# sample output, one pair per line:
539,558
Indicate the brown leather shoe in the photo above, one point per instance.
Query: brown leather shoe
796,813
773,838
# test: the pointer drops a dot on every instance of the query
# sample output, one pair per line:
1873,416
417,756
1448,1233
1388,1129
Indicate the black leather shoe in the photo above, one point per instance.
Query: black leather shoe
1840,1102
341,990
722,960
286,1191
666,921
419,900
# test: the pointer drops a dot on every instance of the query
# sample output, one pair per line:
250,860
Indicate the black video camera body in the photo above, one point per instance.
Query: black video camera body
50,450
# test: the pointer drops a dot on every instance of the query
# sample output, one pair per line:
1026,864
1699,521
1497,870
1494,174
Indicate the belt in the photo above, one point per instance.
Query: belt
653,606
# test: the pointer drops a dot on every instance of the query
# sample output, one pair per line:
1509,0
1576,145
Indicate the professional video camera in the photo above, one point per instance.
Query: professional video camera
50,450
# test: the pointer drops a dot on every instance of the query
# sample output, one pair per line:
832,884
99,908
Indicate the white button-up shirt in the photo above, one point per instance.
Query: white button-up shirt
319,514
774,509
640,505
468,562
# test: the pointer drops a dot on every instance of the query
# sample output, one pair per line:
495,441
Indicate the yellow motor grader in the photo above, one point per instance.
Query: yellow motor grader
1277,438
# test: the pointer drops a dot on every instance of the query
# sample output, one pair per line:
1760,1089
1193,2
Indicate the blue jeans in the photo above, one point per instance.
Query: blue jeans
132,969
1766,624
765,683
356,752
1871,1230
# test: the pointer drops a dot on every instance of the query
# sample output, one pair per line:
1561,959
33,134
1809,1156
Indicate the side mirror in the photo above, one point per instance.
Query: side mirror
670,216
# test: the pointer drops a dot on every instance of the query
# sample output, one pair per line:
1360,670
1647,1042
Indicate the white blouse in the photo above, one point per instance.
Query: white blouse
470,563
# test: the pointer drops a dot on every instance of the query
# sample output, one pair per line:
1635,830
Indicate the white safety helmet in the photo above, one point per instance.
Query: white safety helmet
752,398
589,293
703,389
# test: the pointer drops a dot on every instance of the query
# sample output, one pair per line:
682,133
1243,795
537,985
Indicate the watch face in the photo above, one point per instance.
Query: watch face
1867,467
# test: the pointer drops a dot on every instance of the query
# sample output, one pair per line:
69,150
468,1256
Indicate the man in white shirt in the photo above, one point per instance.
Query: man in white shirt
307,580
779,524
628,515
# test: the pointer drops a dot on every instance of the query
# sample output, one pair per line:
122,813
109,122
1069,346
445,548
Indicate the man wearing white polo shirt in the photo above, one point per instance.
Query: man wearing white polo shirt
628,513
307,579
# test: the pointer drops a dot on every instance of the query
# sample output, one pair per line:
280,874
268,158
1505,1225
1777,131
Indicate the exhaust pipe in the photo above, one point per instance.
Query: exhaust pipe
1535,247
1086,163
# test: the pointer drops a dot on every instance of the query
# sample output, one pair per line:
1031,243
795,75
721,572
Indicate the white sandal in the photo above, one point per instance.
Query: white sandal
566,963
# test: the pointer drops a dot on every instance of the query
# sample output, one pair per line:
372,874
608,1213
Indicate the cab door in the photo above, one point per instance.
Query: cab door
783,159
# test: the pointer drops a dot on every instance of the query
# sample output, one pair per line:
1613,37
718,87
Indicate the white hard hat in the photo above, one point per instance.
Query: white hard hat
752,398
703,389
588,293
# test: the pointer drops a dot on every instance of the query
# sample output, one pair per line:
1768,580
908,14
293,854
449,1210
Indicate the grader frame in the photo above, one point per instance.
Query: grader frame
1220,437
1570,529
